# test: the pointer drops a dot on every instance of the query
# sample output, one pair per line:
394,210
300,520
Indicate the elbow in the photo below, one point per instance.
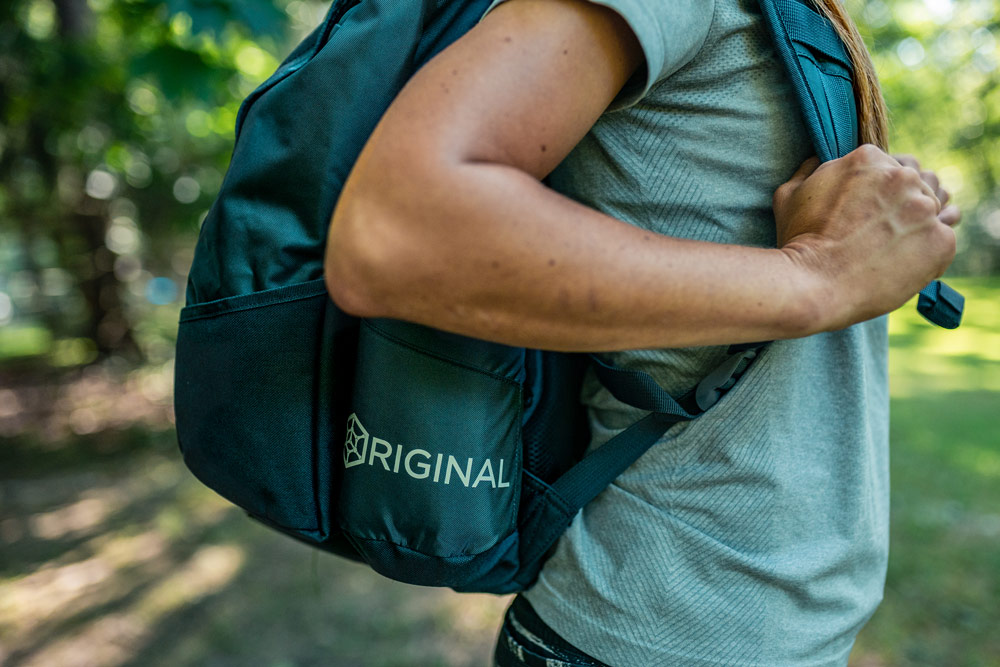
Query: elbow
344,288
361,277
346,268
385,240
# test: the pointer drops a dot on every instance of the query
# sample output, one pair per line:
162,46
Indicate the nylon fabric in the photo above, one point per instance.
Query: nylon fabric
436,458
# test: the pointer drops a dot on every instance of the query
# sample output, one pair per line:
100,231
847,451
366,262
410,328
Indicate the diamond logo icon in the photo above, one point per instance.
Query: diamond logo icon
356,443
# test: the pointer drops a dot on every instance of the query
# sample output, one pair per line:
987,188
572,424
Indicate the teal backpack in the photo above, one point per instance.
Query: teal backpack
438,459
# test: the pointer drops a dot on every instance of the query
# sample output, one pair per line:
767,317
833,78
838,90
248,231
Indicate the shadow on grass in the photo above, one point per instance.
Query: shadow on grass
22,457
125,559
128,560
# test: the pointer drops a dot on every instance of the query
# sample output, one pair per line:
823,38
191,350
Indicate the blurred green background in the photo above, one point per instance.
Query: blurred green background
116,125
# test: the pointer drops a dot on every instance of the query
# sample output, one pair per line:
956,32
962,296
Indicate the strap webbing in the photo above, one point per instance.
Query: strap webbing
581,483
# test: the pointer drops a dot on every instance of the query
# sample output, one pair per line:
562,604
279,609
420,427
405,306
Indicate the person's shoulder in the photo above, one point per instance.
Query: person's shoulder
670,33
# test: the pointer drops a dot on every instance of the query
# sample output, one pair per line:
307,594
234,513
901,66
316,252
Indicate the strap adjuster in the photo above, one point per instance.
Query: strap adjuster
718,382
941,305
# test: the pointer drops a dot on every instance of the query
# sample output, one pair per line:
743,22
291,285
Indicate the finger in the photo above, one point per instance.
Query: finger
930,194
931,179
950,215
907,160
786,189
928,191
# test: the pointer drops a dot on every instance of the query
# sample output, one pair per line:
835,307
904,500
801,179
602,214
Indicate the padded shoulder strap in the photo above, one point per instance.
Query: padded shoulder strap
820,72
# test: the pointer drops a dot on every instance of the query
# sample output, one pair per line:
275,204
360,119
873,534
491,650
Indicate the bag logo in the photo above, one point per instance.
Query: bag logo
419,463
356,444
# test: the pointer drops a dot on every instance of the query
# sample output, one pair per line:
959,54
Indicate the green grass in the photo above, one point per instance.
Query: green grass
943,584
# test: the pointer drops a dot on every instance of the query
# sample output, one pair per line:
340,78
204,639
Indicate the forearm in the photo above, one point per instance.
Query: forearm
487,251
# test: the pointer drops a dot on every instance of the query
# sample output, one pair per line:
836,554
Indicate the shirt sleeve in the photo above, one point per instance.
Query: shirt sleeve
670,32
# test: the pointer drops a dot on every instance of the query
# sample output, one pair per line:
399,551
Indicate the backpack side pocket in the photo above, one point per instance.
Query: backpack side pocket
432,462
254,404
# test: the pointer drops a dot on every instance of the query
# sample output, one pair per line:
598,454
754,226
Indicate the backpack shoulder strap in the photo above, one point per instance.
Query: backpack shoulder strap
820,71
821,74
552,508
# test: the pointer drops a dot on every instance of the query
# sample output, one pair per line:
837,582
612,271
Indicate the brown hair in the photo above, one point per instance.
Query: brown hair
873,124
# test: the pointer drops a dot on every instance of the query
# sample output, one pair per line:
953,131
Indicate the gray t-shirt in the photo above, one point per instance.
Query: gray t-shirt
758,533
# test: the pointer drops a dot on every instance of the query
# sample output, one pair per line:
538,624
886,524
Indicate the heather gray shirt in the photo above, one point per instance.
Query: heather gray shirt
757,534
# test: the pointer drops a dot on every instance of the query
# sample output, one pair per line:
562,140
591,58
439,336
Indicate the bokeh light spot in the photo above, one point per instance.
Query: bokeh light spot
142,100
186,190
6,309
127,268
40,19
122,237
910,52
161,290
198,123
101,184
254,61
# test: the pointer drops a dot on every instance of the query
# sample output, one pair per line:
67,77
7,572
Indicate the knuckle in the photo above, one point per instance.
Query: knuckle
779,195
917,210
905,177
896,176
924,206
943,244
867,152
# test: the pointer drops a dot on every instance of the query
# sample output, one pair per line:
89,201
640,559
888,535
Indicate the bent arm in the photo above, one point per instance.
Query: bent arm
444,221
504,258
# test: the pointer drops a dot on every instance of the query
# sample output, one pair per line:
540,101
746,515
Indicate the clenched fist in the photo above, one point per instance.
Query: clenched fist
870,229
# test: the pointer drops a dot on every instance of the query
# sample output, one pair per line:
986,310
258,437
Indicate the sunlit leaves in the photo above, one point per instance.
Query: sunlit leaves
938,63
213,16
38,18
113,141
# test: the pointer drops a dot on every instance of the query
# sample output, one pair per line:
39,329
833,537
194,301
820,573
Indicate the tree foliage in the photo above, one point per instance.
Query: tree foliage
116,125
938,63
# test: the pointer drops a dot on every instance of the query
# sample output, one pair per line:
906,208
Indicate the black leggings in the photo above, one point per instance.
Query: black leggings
525,641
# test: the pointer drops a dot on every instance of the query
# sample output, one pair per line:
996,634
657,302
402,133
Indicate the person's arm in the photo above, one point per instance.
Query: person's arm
444,222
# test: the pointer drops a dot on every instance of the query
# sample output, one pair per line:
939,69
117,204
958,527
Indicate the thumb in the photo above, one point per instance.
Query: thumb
805,170
786,189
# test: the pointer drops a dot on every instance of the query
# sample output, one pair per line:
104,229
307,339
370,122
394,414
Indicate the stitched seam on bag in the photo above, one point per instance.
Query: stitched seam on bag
789,48
548,497
254,301
330,25
439,357
263,518
819,66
